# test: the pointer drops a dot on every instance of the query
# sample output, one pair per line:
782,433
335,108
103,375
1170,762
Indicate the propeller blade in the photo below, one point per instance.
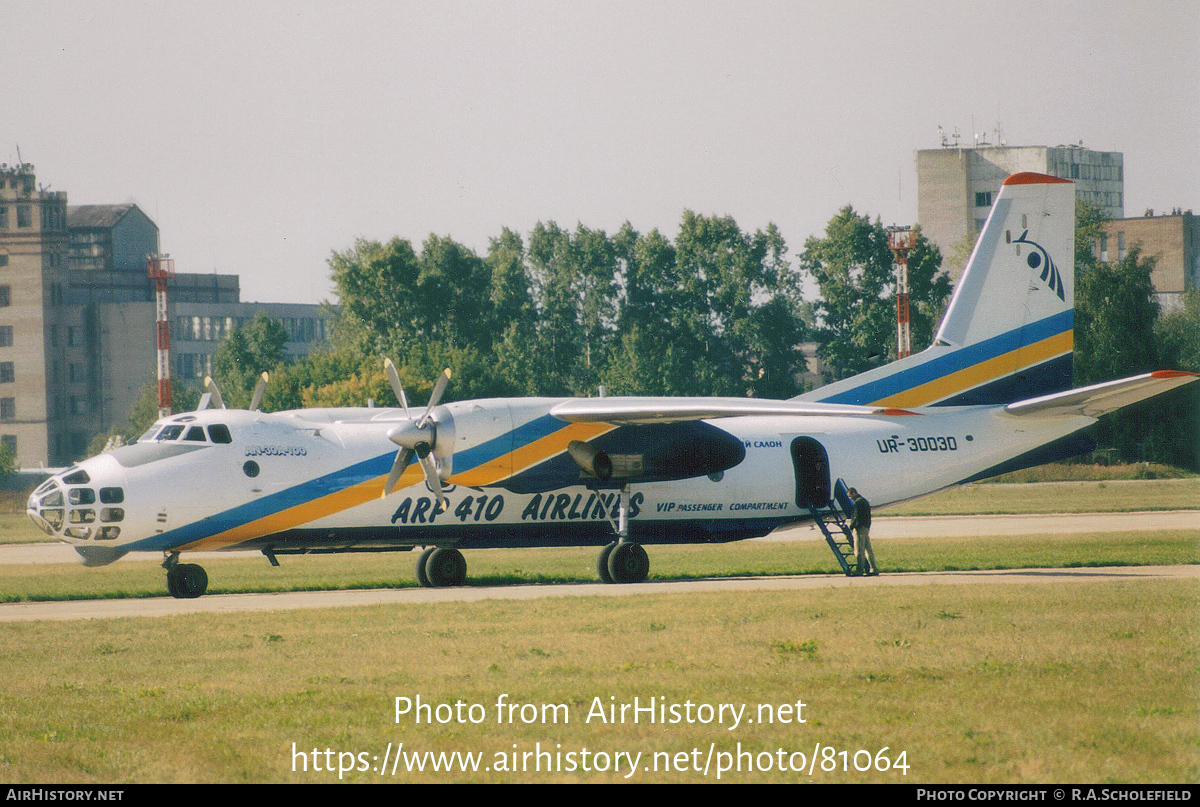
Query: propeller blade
394,379
403,458
417,437
438,389
431,478
259,389
211,387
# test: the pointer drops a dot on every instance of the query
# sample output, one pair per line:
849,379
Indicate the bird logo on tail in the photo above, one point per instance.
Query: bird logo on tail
1041,260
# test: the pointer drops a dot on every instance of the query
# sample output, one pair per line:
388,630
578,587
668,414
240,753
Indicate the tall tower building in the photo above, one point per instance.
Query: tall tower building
957,184
1171,239
77,319
61,270
33,251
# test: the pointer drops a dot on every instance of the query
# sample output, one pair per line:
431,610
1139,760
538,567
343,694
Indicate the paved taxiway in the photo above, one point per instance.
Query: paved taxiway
230,603
952,527
983,526
883,528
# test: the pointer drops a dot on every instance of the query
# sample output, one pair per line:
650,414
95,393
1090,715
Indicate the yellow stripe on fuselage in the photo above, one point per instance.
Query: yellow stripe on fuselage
488,473
985,371
530,454
292,517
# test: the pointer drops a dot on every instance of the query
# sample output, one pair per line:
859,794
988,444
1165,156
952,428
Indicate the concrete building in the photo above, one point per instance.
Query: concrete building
77,339
813,375
33,255
126,338
107,238
1172,239
956,185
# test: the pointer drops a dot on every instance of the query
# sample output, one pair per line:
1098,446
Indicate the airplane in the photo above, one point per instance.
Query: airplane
990,395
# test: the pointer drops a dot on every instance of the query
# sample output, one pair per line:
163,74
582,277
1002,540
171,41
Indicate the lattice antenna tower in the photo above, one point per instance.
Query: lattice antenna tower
160,269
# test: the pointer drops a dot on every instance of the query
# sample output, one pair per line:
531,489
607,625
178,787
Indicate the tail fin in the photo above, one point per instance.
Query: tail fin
1008,332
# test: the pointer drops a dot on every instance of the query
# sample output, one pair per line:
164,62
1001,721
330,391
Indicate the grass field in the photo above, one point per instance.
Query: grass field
1081,682
145,578
1078,471
1108,496
16,528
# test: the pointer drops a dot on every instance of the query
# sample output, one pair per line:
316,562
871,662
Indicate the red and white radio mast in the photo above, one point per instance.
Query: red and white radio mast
161,268
900,241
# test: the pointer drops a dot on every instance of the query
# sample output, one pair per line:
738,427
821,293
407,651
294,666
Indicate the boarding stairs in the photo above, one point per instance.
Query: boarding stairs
832,519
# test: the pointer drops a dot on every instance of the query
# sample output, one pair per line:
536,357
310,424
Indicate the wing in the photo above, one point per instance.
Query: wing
1100,399
647,410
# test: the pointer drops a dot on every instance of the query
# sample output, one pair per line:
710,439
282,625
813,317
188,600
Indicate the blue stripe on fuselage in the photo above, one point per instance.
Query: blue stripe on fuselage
956,360
339,480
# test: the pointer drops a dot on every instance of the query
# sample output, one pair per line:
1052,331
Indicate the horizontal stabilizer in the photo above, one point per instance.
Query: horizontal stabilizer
1100,399
643,410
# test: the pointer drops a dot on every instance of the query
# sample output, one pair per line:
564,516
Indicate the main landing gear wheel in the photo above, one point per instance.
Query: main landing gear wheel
441,567
602,563
422,561
186,581
628,563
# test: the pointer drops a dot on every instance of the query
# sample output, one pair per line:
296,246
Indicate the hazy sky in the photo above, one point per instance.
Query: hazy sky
261,136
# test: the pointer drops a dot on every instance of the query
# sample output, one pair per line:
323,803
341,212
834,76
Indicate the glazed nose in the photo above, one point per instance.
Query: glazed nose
76,507
42,511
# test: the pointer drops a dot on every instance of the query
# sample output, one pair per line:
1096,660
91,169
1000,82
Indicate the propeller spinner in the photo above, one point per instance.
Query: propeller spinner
416,436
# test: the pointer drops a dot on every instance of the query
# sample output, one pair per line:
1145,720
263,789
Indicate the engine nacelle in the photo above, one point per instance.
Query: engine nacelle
635,454
591,460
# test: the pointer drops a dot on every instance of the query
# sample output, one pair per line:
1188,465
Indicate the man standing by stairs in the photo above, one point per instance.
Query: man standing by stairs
860,522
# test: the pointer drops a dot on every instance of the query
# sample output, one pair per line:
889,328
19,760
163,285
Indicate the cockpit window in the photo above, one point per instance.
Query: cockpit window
195,433
148,436
219,433
169,433
81,496
79,477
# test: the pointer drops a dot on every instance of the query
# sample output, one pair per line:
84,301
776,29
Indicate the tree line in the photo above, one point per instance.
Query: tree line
716,310
1120,331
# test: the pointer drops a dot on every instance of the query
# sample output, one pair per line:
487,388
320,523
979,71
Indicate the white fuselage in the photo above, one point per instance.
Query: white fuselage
314,477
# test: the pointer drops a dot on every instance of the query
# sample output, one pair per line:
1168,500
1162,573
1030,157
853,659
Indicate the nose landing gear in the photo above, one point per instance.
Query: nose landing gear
185,581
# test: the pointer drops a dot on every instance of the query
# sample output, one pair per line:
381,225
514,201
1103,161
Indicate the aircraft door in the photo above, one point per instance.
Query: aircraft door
812,472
